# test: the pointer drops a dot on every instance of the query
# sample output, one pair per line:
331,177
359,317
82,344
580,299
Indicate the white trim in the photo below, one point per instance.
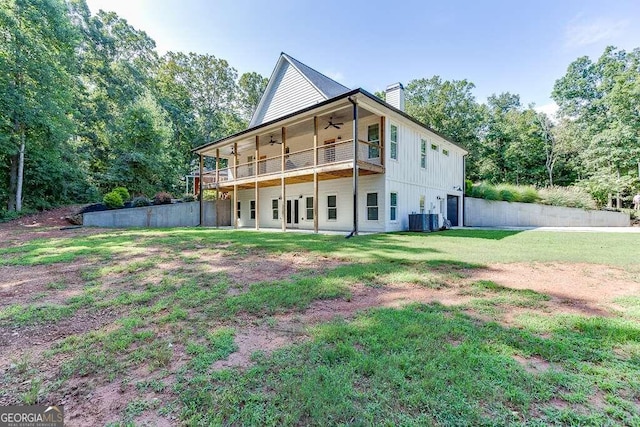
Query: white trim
391,125
376,206
328,207
393,221
306,209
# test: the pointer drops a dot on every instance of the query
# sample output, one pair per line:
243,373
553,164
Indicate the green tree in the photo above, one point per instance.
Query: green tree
142,157
37,43
601,99
448,107
251,86
117,67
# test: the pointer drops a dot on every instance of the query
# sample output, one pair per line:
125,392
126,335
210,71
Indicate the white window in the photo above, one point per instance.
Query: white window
239,210
445,152
372,206
393,211
373,137
421,204
309,206
423,154
332,208
393,147
274,209
252,209
434,147
250,165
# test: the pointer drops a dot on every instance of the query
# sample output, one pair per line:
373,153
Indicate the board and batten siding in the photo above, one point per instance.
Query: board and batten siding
343,190
410,181
292,92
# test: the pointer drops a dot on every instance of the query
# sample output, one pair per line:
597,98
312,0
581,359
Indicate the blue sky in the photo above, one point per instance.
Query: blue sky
516,46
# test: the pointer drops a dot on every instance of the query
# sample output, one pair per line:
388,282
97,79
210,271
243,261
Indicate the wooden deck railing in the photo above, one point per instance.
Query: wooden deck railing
336,152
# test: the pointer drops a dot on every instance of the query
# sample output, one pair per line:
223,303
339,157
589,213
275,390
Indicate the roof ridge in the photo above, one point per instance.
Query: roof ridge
309,72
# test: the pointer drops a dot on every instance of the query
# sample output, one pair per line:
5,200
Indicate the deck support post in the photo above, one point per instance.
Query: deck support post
235,186
355,165
315,174
283,194
382,139
201,176
257,190
217,187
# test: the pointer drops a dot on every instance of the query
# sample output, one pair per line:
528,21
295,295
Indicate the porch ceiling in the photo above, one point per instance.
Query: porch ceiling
302,126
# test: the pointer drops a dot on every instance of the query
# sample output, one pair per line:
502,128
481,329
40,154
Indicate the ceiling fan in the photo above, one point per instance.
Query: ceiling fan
335,125
273,141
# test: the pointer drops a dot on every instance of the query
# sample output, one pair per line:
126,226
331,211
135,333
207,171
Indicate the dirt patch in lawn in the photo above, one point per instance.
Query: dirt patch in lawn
534,364
573,288
53,283
290,328
42,225
256,266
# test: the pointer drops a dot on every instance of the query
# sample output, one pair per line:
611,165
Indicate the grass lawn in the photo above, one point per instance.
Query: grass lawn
207,327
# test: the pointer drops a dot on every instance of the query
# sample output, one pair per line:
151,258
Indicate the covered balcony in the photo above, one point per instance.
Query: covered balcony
316,146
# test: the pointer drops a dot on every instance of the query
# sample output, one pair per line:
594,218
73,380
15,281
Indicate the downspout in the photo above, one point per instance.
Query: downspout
353,101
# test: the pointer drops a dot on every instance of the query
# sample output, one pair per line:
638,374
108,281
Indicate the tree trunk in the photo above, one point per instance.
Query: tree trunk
20,172
618,198
13,181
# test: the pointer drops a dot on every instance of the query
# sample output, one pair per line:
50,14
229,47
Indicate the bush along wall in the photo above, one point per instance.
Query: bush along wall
571,197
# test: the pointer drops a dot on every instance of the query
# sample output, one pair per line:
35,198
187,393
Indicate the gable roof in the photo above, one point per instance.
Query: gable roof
321,104
293,86
327,86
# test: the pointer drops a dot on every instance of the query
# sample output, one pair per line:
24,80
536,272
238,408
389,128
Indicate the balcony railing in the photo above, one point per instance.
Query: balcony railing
333,153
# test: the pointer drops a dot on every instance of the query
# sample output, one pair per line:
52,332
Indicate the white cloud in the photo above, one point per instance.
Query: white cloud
550,109
581,32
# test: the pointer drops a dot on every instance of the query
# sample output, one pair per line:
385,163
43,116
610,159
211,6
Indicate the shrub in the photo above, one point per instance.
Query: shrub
468,187
140,201
123,192
208,195
572,197
9,215
113,200
162,198
484,190
508,193
529,195
188,197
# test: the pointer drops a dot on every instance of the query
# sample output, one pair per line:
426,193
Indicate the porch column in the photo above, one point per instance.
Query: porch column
217,186
235,186
282,180
200,188
257,190
382,140
315,174
355,165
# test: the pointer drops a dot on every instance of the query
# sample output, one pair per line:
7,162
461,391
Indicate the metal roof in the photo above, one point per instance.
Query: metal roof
321,104
327,86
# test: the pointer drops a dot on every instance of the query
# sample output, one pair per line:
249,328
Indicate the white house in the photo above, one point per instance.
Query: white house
320,156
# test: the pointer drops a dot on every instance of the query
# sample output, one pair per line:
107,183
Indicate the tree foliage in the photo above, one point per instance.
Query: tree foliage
87,104
600,103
